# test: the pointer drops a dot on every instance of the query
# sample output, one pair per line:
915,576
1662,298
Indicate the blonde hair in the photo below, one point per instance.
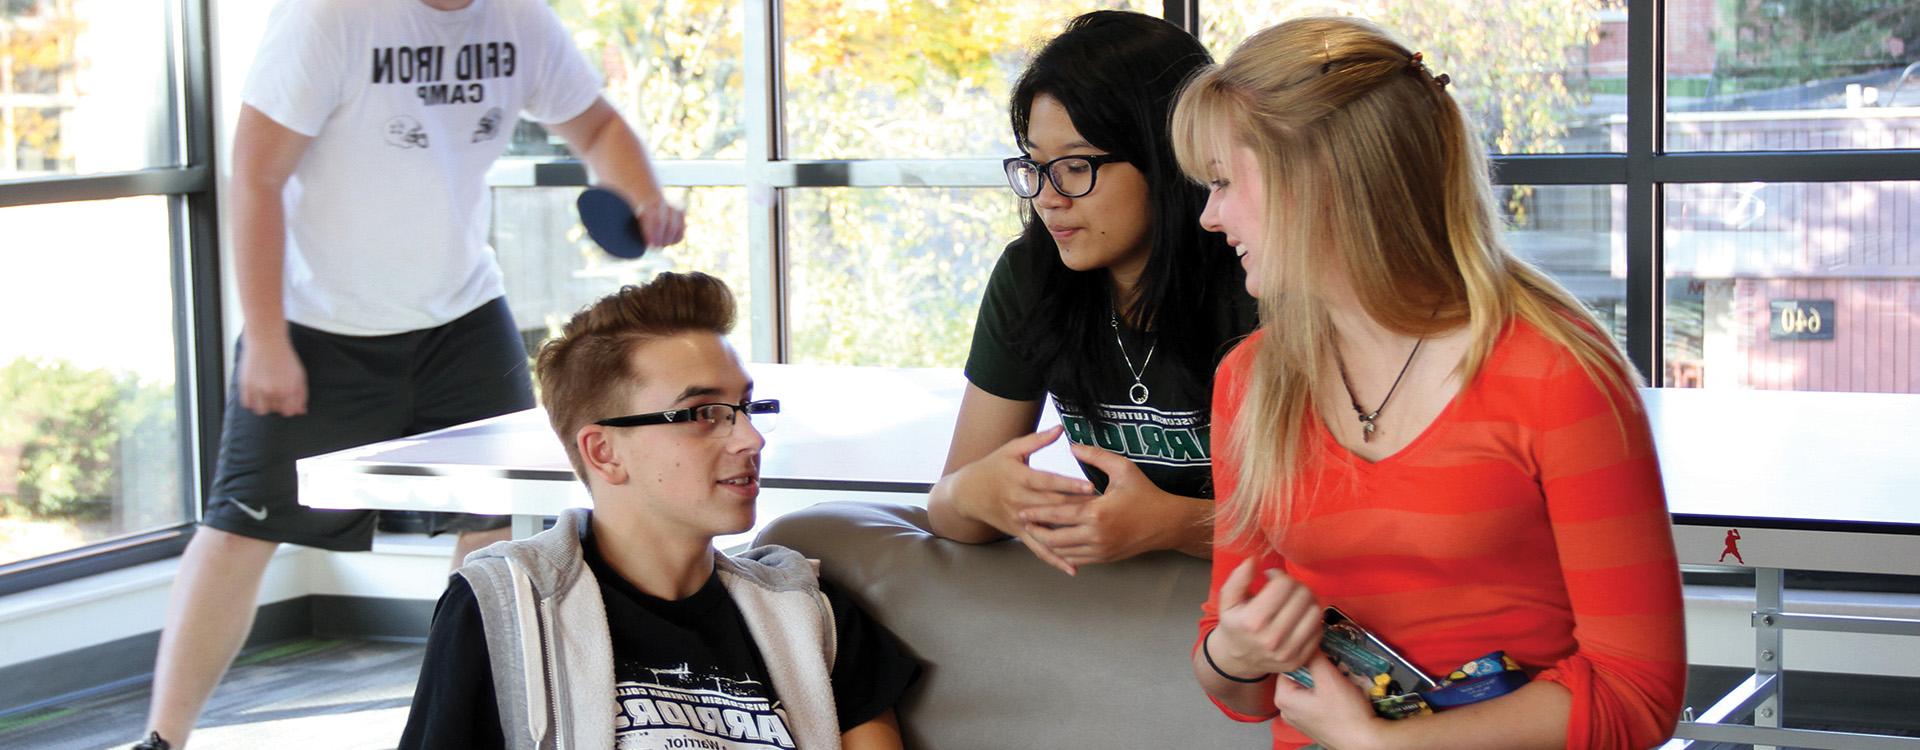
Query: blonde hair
1374,174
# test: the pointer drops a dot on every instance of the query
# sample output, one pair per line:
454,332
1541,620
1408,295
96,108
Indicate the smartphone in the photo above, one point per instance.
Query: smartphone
1357,651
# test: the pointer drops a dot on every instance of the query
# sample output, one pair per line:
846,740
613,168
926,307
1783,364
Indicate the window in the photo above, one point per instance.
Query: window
674,70
110,371
89,417
1794,286
1563,91
892,276
552,269
1576,234
864,138
86,86
911,80
1792,75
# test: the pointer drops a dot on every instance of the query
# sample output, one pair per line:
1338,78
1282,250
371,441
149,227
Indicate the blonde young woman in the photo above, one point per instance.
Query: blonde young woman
1445,444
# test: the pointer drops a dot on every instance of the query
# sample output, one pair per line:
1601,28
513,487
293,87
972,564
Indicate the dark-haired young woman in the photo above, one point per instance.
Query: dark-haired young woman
1112,300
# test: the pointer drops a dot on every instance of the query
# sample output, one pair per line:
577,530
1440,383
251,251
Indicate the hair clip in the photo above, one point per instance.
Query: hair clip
1417,64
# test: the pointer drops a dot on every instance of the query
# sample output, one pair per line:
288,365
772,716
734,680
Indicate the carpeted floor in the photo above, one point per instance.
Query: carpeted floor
349,695
303,694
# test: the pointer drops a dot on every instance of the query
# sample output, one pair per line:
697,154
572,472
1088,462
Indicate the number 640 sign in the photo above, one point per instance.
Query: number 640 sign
1801,320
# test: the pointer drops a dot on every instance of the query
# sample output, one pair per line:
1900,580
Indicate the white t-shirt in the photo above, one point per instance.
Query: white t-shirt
408,106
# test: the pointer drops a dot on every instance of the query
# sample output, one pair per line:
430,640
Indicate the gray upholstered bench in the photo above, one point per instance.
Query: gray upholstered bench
1017,654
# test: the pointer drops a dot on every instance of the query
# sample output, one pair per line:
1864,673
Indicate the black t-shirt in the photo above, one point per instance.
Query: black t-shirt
686,673
1168,435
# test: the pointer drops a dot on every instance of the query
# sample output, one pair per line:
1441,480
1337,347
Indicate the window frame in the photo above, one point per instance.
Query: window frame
1645,168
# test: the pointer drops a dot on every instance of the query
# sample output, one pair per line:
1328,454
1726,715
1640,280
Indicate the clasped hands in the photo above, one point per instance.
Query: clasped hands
1062,519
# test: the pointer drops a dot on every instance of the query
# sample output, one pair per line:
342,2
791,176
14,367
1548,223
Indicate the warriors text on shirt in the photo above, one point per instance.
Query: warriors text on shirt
1144,434
721,714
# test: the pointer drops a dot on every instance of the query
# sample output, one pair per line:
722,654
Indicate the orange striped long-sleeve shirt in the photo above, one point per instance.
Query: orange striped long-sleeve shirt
1527,518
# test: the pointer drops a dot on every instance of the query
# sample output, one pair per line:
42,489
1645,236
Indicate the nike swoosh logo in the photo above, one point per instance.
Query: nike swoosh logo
259,514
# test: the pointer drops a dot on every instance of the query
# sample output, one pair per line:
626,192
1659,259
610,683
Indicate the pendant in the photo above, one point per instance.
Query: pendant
1138,393
1366,426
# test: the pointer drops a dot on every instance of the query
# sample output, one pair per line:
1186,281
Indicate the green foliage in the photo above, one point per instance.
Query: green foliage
1510,60
892,276
37,43
875,276
1782,43
674,67
62,429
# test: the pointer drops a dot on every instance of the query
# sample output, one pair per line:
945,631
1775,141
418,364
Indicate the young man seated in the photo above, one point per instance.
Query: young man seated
623,626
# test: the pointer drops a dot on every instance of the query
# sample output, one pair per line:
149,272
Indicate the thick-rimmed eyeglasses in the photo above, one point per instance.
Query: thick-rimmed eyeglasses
716,419
1072,176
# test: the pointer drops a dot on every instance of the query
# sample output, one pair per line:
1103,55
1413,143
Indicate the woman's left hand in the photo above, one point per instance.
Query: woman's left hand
1334,712
1132,516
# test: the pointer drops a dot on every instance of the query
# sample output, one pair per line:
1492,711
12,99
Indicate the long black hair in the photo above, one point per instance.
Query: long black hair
1118,75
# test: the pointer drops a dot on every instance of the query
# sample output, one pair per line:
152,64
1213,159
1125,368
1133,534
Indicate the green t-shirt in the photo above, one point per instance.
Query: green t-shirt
1167,435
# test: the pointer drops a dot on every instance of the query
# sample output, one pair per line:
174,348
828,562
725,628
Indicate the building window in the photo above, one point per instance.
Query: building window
865,139
105,232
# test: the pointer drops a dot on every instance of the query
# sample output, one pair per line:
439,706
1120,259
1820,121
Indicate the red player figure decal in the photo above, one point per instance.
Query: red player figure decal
1733,547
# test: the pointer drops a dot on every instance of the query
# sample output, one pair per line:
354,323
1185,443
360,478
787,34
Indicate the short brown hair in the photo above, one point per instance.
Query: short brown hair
586,371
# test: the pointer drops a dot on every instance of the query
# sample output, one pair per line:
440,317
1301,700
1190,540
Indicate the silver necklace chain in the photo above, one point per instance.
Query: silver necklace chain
1139,393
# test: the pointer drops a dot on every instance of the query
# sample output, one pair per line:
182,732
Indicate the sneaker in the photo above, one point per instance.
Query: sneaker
153,742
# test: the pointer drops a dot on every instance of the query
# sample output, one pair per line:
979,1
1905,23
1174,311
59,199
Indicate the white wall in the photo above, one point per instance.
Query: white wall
107,607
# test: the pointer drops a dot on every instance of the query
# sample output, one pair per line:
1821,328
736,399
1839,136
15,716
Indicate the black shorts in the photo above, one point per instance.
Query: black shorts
360,390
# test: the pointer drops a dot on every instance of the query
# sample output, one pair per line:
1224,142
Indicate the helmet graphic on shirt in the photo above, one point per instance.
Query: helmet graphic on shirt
489,126
406,132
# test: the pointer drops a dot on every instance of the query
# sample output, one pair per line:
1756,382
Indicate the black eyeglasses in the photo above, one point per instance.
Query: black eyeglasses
718,419
1072,176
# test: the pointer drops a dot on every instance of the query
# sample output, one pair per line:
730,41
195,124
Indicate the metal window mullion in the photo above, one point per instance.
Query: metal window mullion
1787,166
766,209
189,400
1645,120
202,343
1559,169
1184,14
923,173
99,187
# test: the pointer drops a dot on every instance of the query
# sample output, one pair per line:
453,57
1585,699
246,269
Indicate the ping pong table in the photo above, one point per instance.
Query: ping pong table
856,430
1774,480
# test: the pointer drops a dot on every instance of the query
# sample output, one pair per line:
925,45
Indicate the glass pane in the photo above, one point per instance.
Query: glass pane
892,276
1561,91
908,79
1794,286
1576,234
89,428
1788,75
85,87
674,69
553,269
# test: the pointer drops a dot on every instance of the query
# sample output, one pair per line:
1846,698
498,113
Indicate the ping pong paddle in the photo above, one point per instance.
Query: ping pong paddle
611,223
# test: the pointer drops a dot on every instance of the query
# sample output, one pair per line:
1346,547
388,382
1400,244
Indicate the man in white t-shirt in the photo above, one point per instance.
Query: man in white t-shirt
373,305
